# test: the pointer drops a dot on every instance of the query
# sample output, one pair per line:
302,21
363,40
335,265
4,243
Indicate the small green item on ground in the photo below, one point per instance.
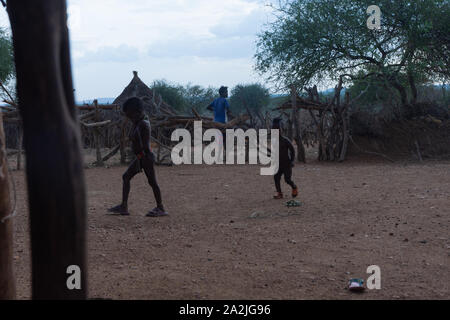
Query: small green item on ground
293,203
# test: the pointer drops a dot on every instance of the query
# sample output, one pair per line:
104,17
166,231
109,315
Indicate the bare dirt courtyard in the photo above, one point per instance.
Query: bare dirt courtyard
226,238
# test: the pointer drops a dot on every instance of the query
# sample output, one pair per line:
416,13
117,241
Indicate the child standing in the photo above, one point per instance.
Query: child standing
140,139
286,160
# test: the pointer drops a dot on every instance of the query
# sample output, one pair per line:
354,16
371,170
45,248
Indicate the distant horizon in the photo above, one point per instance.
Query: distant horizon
109,100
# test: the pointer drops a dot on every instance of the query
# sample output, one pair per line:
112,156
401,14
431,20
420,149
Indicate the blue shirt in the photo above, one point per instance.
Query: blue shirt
220,105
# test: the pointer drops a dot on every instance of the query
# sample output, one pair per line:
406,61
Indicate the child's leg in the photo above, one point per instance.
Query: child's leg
132,170
288,179
149,169
277,178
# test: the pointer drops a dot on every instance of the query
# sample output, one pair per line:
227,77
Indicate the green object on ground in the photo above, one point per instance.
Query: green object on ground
293,203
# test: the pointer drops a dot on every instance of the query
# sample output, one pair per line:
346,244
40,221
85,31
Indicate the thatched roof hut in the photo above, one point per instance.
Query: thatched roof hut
153,102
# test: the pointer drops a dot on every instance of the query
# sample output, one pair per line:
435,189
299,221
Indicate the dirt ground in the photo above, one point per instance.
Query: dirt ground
226,238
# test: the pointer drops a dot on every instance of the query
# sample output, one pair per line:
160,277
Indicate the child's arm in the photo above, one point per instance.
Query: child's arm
144,134
291,151
210,107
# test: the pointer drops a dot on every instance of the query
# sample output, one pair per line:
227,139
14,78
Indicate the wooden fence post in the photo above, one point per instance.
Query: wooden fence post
54,167
295,120
345,115
98,150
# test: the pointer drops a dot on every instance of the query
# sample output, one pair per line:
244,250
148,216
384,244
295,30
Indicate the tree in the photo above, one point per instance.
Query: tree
6,64
320,40
6,57
171,94
184,98
250,97
198,97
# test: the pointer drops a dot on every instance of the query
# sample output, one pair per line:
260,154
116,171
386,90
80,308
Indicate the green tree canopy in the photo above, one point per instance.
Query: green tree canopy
199,97
184,98
252,97
171,94
319,40
6,57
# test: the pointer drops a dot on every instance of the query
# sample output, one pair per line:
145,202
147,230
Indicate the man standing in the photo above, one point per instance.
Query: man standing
220,106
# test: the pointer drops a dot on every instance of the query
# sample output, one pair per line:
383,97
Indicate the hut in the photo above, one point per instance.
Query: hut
154,106
153,102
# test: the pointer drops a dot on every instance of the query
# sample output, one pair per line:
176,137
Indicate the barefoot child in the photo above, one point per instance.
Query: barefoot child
140,139
287,158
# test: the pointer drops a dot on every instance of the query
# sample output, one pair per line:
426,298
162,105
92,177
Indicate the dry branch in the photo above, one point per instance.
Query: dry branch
419,154
196,113
112,153
12,120
370,152
100,106
302,104
8,94
331,121
87,116
96,124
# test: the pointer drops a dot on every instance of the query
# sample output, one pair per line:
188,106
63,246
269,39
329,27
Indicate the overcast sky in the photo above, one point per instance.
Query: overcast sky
206,42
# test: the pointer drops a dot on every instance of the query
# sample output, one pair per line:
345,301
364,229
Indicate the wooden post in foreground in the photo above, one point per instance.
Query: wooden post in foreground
98,150
7,279
54,167
295,120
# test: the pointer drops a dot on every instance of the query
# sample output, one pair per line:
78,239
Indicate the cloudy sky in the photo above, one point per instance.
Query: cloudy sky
206,42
